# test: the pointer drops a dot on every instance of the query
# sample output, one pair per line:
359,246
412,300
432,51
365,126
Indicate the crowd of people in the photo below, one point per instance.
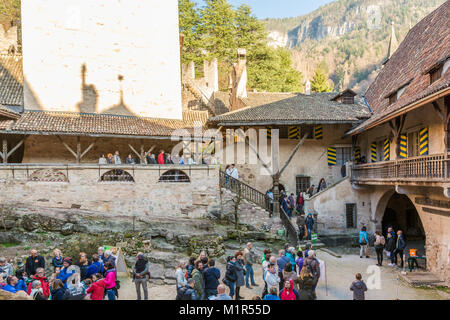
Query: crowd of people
292,275
93,279
150,158
394,245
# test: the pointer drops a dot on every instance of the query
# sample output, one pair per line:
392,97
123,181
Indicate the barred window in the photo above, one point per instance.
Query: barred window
117,175
302,183
350,215
174,176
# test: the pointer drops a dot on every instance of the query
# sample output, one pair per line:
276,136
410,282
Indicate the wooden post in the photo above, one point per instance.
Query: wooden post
78,149
142,153
5,150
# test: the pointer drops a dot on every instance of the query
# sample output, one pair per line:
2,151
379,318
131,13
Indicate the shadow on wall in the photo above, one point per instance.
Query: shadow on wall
90,97
89,103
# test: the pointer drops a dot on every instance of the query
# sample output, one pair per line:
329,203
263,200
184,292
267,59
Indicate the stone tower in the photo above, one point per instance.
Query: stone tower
102,56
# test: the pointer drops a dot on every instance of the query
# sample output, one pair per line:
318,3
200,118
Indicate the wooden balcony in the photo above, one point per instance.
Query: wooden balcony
424,170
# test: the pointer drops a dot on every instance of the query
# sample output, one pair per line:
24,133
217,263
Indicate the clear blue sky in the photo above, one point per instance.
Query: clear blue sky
278,8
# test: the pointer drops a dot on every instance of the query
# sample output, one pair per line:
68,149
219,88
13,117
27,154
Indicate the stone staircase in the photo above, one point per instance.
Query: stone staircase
250,213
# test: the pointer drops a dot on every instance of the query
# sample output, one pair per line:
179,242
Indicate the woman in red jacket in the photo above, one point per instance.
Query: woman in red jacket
97,288
40,275
161,158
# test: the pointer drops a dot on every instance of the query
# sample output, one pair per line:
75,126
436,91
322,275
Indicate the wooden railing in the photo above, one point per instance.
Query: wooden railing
247,192
434,168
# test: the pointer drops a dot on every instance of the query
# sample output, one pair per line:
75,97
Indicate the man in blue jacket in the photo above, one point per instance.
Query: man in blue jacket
63,273
211,278
401,245
281,262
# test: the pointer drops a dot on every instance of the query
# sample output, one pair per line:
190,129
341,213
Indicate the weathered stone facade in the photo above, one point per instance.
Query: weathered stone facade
146,196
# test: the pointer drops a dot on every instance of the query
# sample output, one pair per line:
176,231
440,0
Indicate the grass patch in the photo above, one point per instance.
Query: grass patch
8,244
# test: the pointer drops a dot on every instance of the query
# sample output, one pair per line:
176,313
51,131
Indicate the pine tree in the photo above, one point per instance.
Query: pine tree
320,82
189,20
218,30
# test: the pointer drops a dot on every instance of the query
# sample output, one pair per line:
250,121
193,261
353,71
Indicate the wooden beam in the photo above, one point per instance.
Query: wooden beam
88,148
67,147
134,150
17,146
5,151
293,152
438,110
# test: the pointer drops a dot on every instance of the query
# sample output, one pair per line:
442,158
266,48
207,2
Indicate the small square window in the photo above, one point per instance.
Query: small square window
435,74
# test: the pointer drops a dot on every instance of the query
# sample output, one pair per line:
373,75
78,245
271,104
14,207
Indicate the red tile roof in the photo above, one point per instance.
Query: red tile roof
104,124
426,44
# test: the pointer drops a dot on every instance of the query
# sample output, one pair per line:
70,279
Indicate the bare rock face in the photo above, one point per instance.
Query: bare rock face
5,295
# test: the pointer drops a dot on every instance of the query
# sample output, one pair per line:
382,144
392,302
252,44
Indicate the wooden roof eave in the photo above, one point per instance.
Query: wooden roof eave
282,123
412,106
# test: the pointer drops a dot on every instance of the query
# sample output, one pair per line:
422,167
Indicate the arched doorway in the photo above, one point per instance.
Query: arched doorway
401,214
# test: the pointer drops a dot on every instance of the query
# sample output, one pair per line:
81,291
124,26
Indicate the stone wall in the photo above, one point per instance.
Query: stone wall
143,197
331,208
8,38
120,57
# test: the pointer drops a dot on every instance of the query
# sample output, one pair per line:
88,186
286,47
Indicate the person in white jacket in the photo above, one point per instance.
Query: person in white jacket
234,172
271,277
179,273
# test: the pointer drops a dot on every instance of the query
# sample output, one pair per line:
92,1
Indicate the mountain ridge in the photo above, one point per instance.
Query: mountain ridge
348,38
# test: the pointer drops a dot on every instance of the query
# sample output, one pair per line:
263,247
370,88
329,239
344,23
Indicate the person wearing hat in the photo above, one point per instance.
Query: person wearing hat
64,273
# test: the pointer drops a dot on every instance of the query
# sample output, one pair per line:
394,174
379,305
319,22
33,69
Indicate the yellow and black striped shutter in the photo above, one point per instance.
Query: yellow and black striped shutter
387,150
318,132
403,146
357,153
373,152
423,142
269,132
332,156
294,132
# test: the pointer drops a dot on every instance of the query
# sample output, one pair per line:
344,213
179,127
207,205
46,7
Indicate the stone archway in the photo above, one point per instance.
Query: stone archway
401,214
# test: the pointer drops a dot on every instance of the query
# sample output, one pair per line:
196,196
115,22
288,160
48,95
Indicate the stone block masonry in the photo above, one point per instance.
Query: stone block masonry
82,186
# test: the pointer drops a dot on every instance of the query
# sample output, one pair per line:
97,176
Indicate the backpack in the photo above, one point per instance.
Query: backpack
184,294
74,293
230,275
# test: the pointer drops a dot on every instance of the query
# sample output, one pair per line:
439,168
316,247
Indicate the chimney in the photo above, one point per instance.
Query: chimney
211,74
239,81
308,88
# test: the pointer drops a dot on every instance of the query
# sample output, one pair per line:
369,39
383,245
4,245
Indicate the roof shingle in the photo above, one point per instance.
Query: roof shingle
294,108
426,44
104,124
11,80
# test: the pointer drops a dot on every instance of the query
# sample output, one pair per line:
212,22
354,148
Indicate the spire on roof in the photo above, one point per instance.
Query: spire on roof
393,43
